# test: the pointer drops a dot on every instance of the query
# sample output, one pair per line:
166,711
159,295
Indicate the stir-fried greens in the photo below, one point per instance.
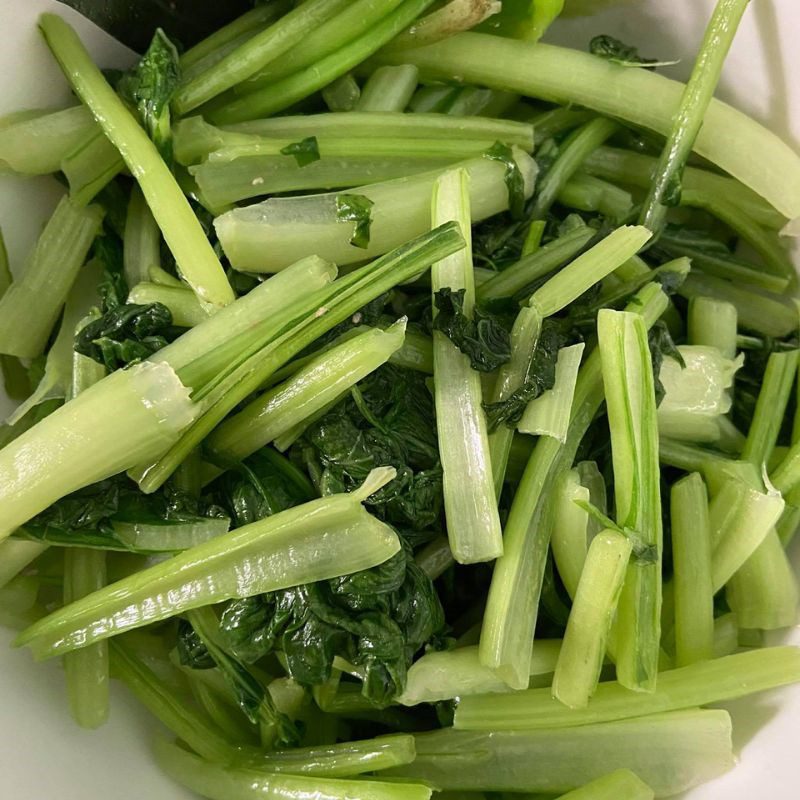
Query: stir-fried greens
408,405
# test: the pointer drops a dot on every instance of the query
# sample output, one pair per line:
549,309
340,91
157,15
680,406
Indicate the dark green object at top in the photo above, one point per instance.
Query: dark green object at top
132,22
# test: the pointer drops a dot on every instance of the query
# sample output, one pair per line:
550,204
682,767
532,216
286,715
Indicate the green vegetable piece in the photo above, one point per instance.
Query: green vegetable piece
280,551
305,151
356,208
515,183
618,52
696,685
622,783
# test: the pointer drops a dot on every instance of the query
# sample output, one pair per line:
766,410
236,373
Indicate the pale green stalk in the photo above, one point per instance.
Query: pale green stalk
630,402
548,414
362,125
699,684
290,89
593,608
691,556
587,193
693,110
342,94
760,311
184,236
637,169
85,441
354,19
142,240
31,305
15,555
312,388
254,54
315,541
449,674
512,606
570,157
568,539
389,89
86,669
91,167
616,785
217,782
473,524
271,235
729,138
58,371
37,143
713,323
435,558
186,309
534,265
671,752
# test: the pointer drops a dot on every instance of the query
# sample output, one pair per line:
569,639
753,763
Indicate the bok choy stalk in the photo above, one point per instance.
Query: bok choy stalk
315,541
593,608
630,401
30,306
691,556
56,382
142,240
757,310
312,388
473,523
169,706
217,782
305,321
764,592
184,305
355,19
203,352
238,173
286,91
15,555
621,783
570,157
713,323
548,414
268,236
198,137
696,393
389,89
638,96
341,760
512,606
698,684
254,54
587,193
692,112
196,259
535,265
342,95
671,752
36,143
449,674
91,167
571,523
86,669
83,441
637,169
211,49
556,294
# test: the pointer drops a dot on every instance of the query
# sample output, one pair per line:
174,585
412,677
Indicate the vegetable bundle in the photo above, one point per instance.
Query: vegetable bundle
407,405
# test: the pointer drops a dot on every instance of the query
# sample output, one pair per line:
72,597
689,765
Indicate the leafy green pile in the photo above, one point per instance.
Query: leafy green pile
390,428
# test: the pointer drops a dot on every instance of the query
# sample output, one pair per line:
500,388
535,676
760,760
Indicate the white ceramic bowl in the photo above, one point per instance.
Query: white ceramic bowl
42,753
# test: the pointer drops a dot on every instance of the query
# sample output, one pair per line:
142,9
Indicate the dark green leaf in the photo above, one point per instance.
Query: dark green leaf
126,334
149,88
305,151
357,209
515,183
482,338
541,377
618,52
661,345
